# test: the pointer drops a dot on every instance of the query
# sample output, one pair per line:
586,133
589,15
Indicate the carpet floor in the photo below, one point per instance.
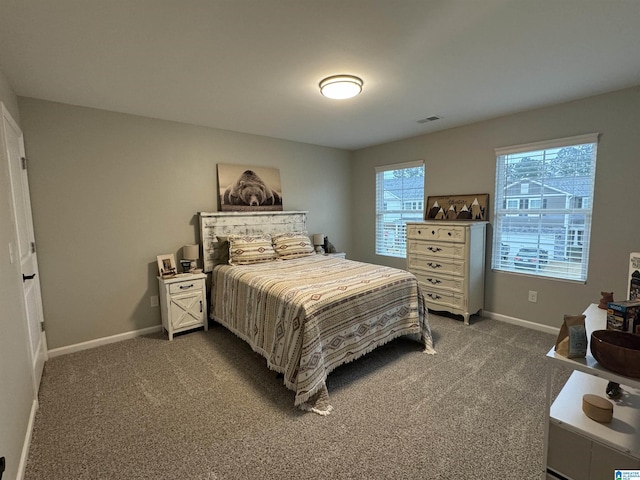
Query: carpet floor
206,407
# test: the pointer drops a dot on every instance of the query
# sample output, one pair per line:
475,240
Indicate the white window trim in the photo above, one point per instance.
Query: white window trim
399,166
379,222
547,145
501,212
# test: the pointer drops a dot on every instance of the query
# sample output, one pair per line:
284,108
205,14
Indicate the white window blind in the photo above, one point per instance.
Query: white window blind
399,198
542,215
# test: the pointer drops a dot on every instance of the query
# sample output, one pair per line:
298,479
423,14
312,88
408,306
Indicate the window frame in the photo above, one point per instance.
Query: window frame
564,231
396,247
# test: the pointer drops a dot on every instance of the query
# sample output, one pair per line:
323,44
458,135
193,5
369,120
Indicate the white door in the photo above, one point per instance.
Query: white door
12,143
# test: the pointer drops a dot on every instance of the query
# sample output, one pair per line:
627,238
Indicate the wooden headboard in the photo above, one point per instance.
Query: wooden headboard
215,224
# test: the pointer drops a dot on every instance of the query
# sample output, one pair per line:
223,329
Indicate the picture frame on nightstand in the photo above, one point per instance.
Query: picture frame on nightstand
167,265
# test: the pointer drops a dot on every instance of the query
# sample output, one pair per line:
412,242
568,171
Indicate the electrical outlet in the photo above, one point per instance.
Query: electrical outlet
533,296
154,301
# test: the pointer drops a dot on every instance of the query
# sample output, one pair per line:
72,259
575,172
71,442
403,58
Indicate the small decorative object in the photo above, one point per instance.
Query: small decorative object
606,298
190,255
624,316
617,351
458,207
634,276
328,246
318,242
572,339
597,408
613,390
167,265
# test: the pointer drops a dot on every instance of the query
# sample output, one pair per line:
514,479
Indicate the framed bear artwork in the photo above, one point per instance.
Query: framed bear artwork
249,188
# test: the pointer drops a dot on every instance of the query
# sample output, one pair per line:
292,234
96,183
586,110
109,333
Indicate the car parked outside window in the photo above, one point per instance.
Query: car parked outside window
531,258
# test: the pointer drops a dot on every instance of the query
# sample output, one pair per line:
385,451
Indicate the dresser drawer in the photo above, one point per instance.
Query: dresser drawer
432,265
437,249
448,233
435,298
440,281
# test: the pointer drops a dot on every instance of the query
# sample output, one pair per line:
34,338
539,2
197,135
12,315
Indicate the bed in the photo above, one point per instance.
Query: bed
306,314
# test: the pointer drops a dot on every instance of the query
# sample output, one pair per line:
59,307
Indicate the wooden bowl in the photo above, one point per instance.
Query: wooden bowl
617,351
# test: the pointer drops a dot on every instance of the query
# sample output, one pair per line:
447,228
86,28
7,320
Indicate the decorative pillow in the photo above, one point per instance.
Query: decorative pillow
292,245
221,251
249,249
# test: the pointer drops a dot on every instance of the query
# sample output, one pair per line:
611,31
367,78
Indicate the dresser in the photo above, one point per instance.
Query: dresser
183,302
448,260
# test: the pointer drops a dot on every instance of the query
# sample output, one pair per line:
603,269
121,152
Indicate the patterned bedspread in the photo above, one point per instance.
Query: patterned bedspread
310,315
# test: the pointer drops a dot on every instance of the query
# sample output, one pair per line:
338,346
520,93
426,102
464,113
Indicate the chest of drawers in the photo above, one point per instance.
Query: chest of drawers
448,260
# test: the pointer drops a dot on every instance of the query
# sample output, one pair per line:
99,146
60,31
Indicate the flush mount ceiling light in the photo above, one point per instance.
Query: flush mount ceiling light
340,87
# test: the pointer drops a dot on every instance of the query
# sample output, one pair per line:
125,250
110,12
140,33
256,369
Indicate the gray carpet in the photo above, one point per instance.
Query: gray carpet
206,407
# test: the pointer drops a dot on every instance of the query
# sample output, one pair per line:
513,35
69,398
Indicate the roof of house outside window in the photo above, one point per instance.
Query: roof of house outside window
411,187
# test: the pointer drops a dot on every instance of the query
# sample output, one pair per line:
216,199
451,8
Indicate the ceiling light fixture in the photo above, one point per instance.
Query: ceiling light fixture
340,87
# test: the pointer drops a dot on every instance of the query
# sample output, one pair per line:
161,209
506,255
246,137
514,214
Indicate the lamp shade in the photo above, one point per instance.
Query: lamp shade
191,252
340,87
318,238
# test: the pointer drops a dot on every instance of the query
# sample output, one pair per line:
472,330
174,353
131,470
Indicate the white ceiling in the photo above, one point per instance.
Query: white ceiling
253,66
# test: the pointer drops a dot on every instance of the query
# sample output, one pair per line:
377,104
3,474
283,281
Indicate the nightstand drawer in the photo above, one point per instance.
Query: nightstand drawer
182,287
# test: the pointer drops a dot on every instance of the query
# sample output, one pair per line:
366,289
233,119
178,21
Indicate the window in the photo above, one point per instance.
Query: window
413,205
399,199
543,200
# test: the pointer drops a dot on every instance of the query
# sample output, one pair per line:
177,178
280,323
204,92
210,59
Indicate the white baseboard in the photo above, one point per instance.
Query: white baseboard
27,441
520,322
102,341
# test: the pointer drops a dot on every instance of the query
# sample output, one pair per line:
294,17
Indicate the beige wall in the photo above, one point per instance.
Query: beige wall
16,387
110,192
462,160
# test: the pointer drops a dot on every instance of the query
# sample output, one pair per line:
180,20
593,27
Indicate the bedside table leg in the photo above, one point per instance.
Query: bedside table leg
466,318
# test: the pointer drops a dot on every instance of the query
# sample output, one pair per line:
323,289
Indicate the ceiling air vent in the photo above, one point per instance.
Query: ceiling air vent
432,118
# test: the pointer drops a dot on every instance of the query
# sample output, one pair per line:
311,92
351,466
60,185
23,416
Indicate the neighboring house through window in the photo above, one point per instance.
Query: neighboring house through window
399,199
543,200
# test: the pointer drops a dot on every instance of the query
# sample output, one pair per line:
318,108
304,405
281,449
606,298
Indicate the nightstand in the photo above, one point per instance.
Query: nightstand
337,255
183,303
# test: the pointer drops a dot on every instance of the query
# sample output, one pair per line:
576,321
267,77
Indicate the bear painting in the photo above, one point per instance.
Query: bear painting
249,188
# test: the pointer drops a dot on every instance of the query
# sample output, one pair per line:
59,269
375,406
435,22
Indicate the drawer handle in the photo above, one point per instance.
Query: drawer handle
433,232
200,306
449,233
28,277
420,232
434,249
435,297
434,265
184,287
433,281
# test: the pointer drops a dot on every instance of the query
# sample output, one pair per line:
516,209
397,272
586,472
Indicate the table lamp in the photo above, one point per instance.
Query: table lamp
318,242
190,254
